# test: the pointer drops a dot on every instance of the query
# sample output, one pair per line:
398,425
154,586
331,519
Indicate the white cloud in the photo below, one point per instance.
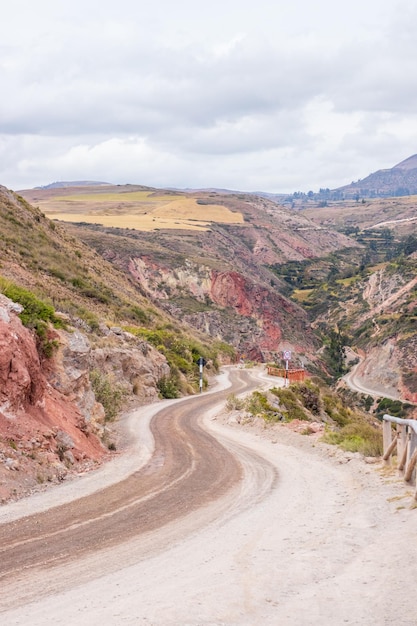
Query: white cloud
275,96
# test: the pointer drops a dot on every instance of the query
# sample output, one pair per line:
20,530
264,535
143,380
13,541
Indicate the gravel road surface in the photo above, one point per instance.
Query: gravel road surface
201,522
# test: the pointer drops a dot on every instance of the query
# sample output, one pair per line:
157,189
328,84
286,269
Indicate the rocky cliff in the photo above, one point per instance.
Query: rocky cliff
220,281
43,432
51,422
228,305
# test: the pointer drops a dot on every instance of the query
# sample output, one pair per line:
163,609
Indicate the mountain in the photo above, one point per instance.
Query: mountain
110,295
400,180
65,184
206,258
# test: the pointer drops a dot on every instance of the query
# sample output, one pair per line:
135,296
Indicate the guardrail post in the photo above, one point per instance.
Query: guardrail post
402,446
387,438
402,449
411,458
408,453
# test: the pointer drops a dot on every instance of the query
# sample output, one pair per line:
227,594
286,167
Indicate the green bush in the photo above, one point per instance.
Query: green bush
392,407
36,315
109,393
181,353
233,403
335,409
357,437
168,387
310,396
290,404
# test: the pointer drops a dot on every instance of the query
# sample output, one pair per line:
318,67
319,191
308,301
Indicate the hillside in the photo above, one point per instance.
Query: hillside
78,342
203,257
398,215
400,180
121,312
367,303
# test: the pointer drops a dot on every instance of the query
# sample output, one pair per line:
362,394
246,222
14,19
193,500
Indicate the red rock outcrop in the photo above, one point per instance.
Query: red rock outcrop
279,320
257,320
42,431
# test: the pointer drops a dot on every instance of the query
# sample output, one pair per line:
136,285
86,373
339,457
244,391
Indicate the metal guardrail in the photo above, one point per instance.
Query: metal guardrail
404,441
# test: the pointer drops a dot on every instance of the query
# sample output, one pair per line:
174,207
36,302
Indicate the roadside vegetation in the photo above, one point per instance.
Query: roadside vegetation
35,315
344,425
182,353
109,393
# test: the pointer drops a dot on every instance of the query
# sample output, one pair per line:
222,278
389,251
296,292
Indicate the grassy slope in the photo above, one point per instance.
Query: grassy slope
41,256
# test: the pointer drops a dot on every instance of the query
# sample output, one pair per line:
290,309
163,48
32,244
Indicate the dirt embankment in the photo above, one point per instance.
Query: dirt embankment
51,424
42,431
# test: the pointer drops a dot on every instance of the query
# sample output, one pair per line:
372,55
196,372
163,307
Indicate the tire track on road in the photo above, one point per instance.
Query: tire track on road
188,469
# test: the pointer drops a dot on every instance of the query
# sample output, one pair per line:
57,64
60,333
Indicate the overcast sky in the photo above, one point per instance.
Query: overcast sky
267,95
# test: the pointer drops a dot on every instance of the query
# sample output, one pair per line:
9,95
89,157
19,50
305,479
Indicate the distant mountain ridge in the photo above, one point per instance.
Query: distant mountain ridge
78,183
400,180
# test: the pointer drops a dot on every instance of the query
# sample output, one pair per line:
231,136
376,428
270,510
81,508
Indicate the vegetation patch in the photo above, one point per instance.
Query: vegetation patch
357,436
349,428
109,393
182,353
36,315
396,408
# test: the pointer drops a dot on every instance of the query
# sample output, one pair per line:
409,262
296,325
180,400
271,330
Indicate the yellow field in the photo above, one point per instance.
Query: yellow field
141,210
137,222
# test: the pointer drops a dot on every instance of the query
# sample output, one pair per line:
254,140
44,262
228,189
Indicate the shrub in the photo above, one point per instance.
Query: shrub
34,309
257,404
392,407
310,397
357,437
290,404
36,315
110,394
234,404
168,387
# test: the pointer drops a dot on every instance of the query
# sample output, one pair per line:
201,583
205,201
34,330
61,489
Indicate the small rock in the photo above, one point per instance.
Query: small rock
11,464
64,440
69,457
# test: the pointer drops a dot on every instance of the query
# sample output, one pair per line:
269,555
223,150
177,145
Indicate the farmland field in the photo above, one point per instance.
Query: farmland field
138,209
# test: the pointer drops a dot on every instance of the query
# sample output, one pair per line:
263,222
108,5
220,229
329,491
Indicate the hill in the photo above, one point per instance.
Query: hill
364,308
204,257
131,285
78,341
400,180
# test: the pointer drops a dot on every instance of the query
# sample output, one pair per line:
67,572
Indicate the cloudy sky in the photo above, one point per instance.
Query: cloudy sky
265,95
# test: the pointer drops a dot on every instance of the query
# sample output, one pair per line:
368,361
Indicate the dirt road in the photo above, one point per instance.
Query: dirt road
220,525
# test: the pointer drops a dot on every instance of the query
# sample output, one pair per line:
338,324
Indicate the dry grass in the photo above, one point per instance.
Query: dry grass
137,222
140,210
372,211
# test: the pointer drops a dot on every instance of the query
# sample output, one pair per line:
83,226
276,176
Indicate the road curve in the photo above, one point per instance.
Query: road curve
188,469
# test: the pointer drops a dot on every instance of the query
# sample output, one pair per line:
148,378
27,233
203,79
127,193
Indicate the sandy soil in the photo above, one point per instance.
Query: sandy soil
309,536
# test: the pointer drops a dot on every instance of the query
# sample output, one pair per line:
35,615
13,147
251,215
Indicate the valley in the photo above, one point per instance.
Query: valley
252,502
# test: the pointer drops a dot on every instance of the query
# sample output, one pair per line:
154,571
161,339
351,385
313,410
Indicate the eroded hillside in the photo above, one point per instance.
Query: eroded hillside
217,279
370,308
79,342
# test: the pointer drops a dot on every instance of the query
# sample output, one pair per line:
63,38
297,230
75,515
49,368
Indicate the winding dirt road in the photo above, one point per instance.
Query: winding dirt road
188,469
217,524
